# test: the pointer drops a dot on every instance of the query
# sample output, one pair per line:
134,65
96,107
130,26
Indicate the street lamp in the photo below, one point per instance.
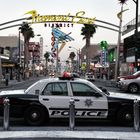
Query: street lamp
136,31
78,58
0,70
19,60
118,47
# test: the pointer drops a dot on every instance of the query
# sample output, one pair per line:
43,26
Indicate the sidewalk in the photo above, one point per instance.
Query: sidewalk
64,133
16,82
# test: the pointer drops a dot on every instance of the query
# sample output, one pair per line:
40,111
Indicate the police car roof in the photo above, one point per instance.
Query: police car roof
60,78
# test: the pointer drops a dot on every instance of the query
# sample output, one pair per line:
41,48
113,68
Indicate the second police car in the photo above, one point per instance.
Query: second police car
49,98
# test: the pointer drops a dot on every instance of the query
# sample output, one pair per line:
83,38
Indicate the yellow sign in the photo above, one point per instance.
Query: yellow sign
83,66
78,18
8,65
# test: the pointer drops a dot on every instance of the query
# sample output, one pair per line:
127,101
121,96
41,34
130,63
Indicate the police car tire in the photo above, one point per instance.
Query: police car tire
34,115
125,116
133,88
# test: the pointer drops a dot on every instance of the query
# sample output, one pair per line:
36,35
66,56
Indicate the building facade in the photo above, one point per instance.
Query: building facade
9,52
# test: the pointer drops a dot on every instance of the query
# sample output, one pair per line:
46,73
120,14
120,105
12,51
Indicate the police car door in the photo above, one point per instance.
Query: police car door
88,102
56,99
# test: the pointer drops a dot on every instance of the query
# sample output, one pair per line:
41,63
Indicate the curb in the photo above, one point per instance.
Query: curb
69,135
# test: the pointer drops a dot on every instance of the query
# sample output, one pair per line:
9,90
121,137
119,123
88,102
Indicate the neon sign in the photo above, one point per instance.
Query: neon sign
78,18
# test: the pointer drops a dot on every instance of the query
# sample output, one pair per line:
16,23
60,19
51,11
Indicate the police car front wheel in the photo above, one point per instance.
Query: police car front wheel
125,116
34,115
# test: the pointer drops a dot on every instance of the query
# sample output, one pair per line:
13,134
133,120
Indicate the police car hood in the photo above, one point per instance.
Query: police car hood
9,92
124,96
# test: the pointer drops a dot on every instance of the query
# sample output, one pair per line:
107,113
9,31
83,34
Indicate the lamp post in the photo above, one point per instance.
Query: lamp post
136,32
118,47
78,59
19,60
0,70
119,39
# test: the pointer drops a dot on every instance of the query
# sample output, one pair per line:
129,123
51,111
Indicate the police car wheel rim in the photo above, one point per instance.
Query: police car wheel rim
133,88
125,116
34,115
128,117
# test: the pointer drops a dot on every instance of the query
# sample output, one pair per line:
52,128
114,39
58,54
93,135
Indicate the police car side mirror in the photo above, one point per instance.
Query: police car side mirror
96,94
37,92
105,91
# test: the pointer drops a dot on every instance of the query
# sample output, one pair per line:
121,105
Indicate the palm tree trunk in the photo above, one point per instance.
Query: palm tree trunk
27,54
87,53
46,72
25,58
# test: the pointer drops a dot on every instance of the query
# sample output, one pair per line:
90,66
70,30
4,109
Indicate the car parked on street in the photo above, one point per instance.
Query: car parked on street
130,85
133,76
50,98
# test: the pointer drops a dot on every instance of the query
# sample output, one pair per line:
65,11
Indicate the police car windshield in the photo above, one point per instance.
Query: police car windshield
94,86
30,87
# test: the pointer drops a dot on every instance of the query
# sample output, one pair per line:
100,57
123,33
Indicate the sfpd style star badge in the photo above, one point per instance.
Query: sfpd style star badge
88,102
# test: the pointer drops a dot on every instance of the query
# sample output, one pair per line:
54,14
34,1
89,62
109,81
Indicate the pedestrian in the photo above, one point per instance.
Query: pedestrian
7,79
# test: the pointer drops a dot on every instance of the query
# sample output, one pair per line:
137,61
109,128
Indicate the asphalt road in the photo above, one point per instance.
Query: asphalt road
59,129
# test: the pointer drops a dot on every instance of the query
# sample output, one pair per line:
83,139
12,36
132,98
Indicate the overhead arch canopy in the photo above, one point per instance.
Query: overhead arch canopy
78,18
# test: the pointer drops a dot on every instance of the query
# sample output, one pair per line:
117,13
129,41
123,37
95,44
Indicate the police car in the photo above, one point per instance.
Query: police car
50,98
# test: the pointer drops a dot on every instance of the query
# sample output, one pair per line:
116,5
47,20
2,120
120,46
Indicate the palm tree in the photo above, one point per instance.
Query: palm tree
122,1
72,56
87,31
47,55
27,33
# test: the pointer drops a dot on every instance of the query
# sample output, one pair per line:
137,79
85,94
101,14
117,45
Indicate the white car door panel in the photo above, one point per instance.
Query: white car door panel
55,98
88,104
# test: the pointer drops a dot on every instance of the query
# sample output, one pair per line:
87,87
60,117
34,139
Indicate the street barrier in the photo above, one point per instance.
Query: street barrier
6,114
72,114
136,115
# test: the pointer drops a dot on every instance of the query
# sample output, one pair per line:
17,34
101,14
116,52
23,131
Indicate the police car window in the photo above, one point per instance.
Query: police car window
56,89
80,89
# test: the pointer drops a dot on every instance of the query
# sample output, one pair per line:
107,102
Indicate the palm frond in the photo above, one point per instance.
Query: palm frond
122,1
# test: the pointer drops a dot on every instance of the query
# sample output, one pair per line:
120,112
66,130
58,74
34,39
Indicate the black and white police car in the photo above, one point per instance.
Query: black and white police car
50,98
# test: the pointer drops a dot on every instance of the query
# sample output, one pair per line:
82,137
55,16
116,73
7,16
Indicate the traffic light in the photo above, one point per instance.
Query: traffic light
103,45
53,39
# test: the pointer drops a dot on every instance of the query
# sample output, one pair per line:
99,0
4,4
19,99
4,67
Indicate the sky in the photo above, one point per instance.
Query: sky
105,10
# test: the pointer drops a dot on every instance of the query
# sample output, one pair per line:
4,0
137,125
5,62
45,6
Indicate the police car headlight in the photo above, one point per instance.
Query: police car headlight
121,79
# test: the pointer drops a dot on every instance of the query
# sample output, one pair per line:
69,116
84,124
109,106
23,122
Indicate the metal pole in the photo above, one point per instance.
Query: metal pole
136,115
118,48
57,57
0,70
19,57
72,114
136,33
6,114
